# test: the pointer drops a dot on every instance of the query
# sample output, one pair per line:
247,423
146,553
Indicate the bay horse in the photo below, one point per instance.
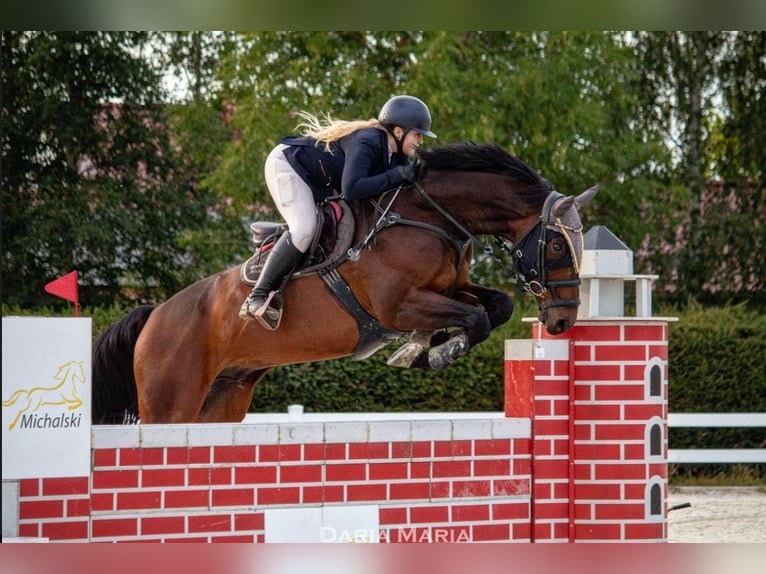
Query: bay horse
192,359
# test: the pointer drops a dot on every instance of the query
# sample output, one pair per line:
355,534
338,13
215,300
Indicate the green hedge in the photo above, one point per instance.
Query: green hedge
717,364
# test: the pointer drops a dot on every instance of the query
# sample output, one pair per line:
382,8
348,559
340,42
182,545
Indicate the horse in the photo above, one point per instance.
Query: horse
192,359
64,393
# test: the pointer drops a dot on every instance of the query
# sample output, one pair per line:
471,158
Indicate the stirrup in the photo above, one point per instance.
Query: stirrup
268,315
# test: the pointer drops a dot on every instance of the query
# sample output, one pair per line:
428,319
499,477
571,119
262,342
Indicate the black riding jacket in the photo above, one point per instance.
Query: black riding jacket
357,165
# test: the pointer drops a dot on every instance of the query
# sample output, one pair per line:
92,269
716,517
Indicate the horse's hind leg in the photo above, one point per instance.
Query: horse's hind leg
230,396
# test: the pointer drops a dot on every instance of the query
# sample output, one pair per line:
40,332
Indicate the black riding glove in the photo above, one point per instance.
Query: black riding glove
409,172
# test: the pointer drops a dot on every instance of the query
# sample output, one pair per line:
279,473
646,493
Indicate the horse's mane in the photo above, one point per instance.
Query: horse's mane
488,158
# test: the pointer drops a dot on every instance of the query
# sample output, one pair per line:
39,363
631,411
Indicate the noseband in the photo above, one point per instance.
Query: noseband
532,273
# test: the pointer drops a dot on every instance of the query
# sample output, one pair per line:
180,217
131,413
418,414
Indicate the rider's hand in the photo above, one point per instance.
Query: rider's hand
409,172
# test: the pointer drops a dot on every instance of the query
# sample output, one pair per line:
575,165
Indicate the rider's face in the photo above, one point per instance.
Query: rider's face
412,142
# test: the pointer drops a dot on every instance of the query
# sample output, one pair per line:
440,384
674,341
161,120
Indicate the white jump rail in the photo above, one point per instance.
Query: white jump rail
717,455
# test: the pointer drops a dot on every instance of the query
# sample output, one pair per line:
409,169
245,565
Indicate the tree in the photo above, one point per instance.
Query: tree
91,178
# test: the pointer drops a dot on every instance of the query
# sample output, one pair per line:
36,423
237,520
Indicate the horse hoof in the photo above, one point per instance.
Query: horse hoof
405,355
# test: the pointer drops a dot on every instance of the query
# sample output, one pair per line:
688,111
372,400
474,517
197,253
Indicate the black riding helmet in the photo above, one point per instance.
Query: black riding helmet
408,112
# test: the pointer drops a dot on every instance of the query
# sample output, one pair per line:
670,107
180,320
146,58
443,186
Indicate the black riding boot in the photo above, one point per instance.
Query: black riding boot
282,258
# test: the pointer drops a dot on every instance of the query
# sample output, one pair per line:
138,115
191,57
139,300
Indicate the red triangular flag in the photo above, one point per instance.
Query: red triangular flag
64,287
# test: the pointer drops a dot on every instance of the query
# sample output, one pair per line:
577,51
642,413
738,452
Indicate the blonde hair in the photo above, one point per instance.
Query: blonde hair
326,129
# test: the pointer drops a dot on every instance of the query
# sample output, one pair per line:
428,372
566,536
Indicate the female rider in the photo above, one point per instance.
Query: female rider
359,159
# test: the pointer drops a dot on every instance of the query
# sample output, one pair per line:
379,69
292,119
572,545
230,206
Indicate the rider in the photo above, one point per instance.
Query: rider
359,159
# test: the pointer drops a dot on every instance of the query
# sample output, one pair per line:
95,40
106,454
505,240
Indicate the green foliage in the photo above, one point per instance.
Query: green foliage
717,364
142,197
91,178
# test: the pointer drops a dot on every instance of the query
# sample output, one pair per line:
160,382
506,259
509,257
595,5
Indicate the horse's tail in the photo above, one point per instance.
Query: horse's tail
115,397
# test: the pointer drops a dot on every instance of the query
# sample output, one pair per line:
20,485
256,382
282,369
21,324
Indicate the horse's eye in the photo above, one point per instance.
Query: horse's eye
557,247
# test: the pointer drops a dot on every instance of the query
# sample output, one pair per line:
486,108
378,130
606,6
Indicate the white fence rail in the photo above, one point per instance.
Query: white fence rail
717,455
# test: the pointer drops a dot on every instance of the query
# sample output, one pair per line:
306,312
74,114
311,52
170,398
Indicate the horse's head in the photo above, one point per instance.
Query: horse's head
548,258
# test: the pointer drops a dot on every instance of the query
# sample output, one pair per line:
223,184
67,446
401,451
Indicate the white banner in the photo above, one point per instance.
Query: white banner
46,397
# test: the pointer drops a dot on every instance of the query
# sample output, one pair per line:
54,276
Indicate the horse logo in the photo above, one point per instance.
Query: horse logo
64,393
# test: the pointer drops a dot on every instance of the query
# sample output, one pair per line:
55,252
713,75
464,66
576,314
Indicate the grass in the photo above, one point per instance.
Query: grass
715,475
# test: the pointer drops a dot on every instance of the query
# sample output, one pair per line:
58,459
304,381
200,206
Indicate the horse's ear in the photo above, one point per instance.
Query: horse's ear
562,206
584,198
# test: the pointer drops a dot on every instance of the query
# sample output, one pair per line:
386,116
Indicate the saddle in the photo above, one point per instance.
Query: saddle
332,240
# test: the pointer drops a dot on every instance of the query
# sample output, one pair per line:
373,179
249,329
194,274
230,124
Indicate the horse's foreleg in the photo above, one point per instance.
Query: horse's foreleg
470,323
497,304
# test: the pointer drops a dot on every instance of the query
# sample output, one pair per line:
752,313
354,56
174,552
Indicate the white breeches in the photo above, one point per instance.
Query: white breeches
293,198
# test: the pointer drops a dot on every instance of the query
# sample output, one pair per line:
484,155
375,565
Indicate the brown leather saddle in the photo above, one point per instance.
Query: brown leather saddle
335,232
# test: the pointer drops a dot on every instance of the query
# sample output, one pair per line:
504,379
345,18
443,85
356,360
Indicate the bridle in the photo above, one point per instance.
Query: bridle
533,273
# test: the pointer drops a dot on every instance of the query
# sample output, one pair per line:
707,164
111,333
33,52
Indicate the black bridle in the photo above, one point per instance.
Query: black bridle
530,264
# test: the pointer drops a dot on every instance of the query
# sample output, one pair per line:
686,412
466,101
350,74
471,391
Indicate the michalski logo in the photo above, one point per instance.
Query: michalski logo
63,394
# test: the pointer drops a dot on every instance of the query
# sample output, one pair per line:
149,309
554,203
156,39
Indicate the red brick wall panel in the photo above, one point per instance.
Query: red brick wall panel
450,468
471,488
74,531
510,511
456,448
210,523
249,521
470,512
115,479
114,527
494,532
237,454
364,450
77,507
104,457
300,473
29,487
388,470
625,511
429,514
492,467
163,477
278,495
233,497
620,353
621,472
600,491
313,452
142,500
345,472
645,332
366,492
646,531
153,525
597,372
41,509
65,486
336,451
102,501
597,531
392,515
187,498
255,474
